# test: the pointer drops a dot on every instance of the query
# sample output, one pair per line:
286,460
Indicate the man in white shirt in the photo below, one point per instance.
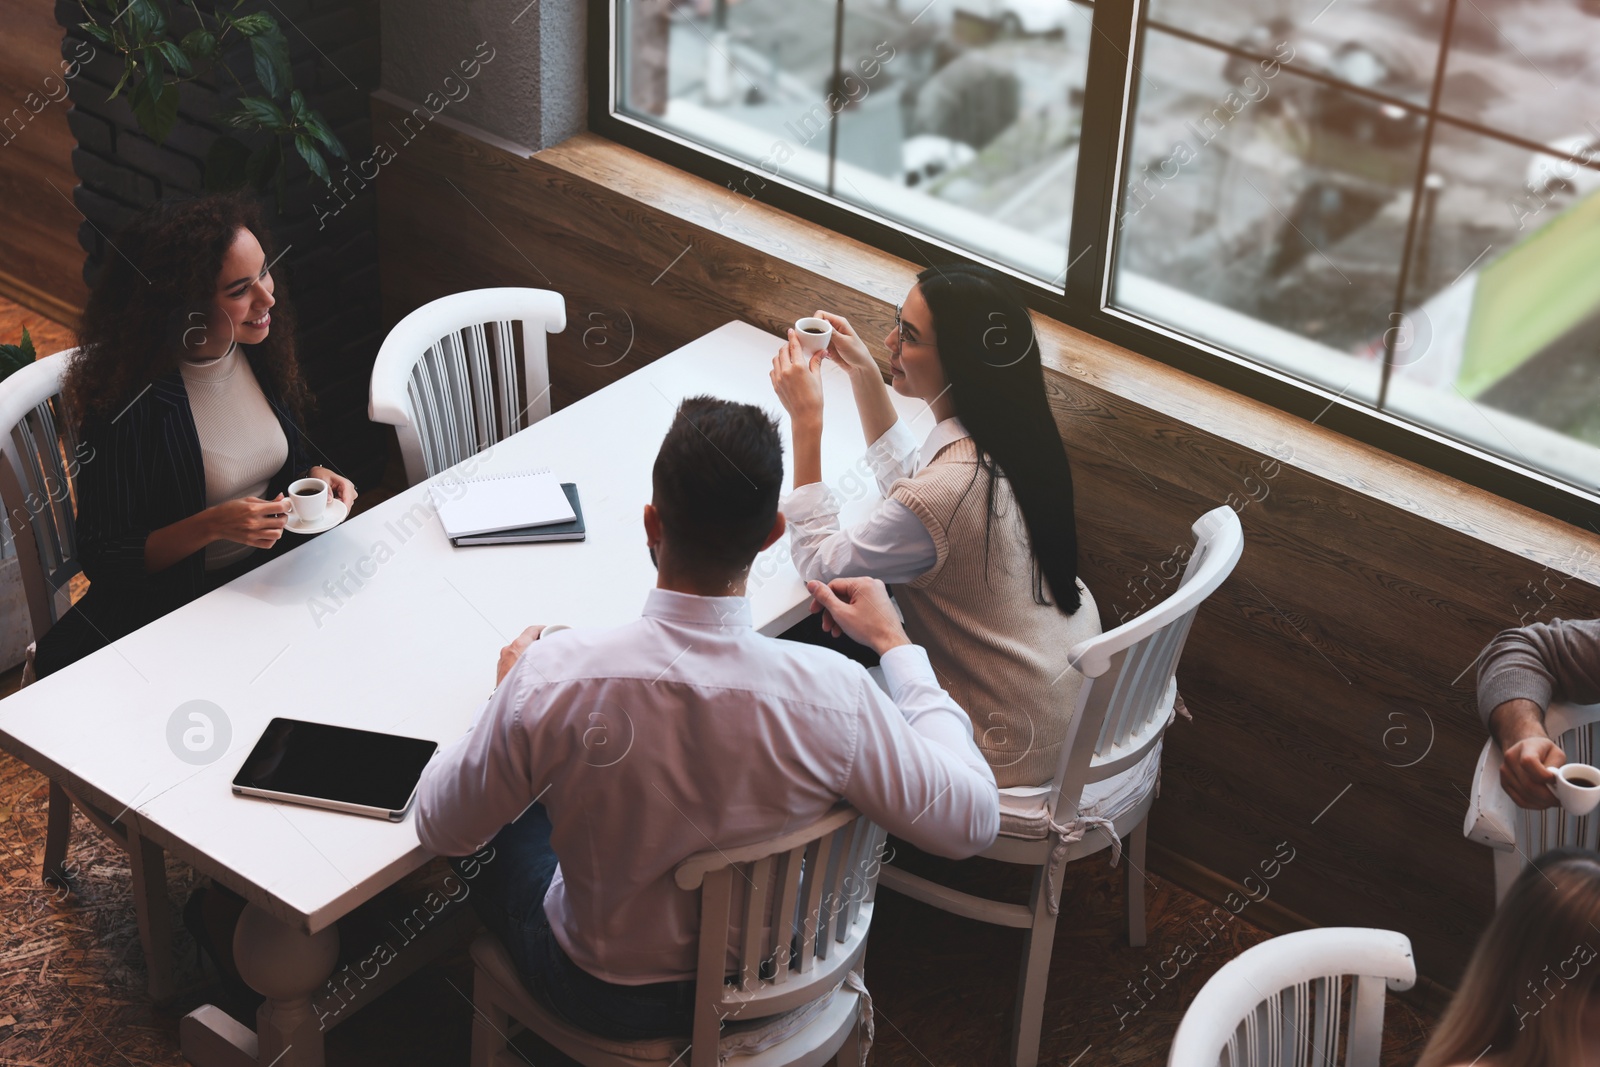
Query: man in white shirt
623,751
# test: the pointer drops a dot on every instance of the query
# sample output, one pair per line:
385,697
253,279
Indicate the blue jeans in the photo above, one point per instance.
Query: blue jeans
508,889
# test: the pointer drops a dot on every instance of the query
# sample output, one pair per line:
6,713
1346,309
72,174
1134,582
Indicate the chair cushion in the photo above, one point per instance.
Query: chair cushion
738,1038
1023,808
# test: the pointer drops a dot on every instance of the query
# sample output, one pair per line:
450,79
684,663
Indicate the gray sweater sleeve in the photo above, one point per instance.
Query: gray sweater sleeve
1558,660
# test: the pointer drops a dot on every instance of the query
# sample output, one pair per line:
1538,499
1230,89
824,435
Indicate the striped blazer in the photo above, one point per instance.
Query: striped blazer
146,471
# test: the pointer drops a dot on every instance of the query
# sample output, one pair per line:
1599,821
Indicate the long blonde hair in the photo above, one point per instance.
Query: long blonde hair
1533,975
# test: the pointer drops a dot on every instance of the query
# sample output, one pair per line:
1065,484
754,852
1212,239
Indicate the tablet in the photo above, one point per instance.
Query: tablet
336,767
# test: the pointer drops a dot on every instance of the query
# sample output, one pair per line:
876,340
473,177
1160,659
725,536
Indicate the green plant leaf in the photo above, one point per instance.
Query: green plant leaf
271,54
307,147
97,31
176,60
147,19
315,125
227,163
257,113
128,67
298,108
199,44
14,357
254,23
156,107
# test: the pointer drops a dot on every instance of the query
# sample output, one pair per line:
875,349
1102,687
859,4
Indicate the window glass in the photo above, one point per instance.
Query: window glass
960,118
1264,211
1270,197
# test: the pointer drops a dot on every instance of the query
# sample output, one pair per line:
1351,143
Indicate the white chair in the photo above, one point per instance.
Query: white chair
38,486
802,903
1282,1003
448,377
1519,836
1106,781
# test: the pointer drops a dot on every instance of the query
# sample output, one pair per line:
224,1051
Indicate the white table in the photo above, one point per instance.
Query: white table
390,628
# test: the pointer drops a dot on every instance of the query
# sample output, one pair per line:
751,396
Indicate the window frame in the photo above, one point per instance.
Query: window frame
1084,299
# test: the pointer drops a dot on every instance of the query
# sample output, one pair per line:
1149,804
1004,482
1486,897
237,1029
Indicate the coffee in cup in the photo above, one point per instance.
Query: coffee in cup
1577,786
815,333
307,500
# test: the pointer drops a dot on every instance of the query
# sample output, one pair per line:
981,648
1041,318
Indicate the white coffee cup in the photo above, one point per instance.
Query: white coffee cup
306,500
552,628
1577,786
814,333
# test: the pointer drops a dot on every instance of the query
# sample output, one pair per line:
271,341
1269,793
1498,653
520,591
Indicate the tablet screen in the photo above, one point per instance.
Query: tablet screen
336,763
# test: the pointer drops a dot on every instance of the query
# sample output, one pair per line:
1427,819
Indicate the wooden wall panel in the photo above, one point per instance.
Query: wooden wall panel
40,261
1333,705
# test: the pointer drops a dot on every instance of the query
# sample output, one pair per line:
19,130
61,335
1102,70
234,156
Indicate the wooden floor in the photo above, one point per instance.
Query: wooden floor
47,336
72,974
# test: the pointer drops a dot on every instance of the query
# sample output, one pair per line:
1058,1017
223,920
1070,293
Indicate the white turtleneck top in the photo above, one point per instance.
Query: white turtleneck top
241,441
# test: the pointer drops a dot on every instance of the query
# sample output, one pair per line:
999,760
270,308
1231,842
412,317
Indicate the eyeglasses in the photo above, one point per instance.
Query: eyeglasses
900,331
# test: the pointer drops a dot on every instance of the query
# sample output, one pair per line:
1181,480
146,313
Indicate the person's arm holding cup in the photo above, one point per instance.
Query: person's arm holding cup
1520,672
797,379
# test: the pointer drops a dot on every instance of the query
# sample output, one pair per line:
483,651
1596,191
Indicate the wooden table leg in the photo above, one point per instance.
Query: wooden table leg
151,905
284,964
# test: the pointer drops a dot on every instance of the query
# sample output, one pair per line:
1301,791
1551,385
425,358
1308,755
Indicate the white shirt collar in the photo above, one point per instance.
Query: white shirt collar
698,610
947,432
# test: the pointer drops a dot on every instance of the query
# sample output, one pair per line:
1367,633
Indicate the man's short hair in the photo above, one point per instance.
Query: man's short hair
717,480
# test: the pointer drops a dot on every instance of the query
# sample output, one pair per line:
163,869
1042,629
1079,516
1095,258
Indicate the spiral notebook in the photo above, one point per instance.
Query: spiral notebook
502,502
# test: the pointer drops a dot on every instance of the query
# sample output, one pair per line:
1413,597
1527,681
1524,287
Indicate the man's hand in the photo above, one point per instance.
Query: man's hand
512,652
859,608
1526,773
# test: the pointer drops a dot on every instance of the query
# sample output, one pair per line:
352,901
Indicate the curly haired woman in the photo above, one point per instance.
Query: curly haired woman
186,390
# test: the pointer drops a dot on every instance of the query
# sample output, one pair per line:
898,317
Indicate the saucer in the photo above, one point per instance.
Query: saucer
336,512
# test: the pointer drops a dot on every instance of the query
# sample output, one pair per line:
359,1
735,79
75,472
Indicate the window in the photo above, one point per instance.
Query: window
1388,214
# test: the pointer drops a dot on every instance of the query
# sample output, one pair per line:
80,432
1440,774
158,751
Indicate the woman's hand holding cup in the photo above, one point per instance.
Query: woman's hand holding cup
846,349
796,378
249,521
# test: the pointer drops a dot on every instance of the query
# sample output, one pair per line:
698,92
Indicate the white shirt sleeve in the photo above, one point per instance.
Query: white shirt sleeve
480,781
893,456
917,772
891,544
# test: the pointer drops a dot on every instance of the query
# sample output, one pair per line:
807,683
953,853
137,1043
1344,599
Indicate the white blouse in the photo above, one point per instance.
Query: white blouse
892,544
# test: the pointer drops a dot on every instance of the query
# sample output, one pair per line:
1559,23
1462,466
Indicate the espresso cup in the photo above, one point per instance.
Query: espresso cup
814,333
1577,786
306,500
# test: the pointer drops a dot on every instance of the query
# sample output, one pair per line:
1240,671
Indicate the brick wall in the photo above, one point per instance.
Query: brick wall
331,270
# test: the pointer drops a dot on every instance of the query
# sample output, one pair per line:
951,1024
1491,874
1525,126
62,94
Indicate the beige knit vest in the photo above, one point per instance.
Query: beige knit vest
1001,655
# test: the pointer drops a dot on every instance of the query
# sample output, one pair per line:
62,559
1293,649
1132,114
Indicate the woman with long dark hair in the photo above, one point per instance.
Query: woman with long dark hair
1530,996
187,398
976,530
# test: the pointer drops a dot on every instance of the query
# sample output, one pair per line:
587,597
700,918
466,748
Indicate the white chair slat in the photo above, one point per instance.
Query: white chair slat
458,415
785,915
814,882
755,928
481,375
